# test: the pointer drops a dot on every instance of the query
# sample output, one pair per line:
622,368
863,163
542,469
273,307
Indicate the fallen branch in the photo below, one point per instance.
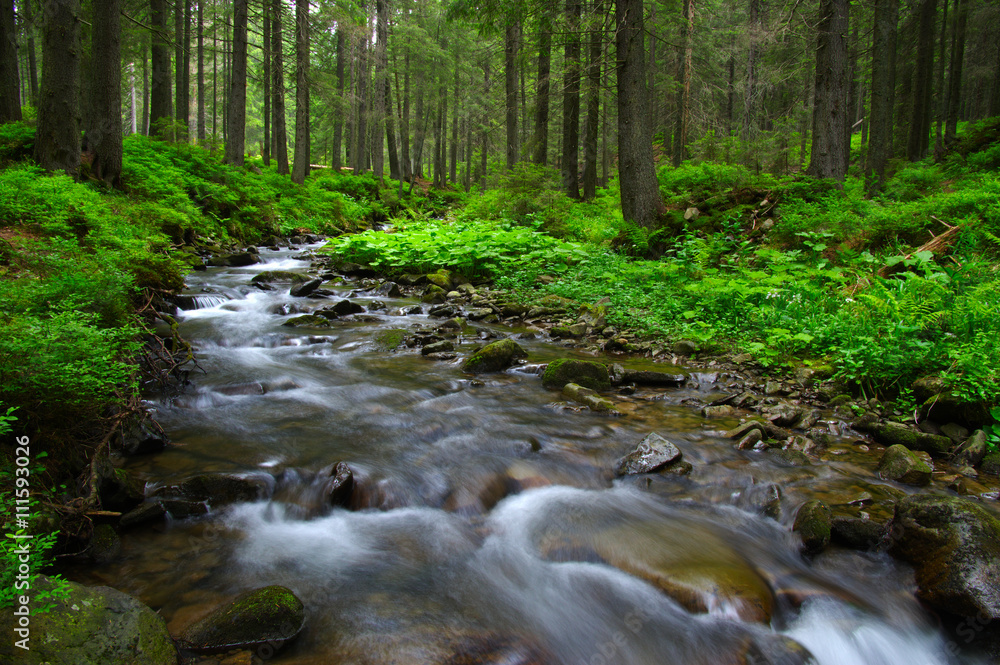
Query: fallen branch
935,245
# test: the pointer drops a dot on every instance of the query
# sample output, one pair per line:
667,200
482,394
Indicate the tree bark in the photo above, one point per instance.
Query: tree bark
883,93
201,72
593,102
360,151
955,72
300,166
484,123
453,156
187,63
265,152
829,157
390,133
570,165
640,195
237,109
278,130
510,50
920,119
404,119
941,109
338,113
104,135
10,77
57,139
541,141
684,105
381,80
29,20
159,95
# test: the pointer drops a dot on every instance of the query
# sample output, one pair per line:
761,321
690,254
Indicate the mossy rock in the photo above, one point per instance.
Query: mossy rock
892,434
494,357
272,615
433,294
814,522
954,546
586,373
307,321
89,626
991,465
900,464
441,279
269,276
389,340
223,488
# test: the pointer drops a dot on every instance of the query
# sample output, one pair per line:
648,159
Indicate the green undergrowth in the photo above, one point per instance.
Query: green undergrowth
790,269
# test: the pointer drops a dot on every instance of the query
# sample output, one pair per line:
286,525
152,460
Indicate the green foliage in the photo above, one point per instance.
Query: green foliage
993,431
471,248
17,140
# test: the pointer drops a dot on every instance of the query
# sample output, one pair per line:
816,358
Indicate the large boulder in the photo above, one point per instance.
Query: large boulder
973,450
494,357
89,626
954,546
305,288
899,463
652,454
814,522
892,434
649,378
586,373
271,615
220,488
234,260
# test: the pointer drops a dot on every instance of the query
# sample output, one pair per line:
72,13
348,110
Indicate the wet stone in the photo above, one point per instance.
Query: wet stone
652,454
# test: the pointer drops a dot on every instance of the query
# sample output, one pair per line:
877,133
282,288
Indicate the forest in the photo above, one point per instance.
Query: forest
798,200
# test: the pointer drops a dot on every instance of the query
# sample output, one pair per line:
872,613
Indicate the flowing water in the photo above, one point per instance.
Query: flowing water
496,530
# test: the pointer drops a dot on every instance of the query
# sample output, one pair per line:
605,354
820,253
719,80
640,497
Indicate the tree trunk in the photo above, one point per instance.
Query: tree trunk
829,157
684,107
180,113
955,72
541,141
144,128
510,43
941,109
159,103
404,119
570,165
237,109
593,103
641,202
278,130
453,167
381,80
265,151
187,62
300,166
360,153
338,113
751,94
390,134
10,77
201,72
920,118
57,139
29,20
485,124
104,135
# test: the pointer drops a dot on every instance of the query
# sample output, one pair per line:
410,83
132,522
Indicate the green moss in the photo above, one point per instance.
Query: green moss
586,373
271,615
388,340
307,321
279,276
494,357
813,522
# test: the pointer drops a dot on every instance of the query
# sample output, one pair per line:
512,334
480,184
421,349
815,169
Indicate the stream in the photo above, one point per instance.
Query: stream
496,532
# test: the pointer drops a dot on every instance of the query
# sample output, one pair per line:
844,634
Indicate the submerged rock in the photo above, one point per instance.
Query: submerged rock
954,546
588,398
269,276
857,533
900,464
341,486
220,488
90,626
652,454
271,615
649,378
586,373
494,357
307,321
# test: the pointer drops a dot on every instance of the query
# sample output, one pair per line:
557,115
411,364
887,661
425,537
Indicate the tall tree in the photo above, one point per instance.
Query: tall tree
265,151
570,165
338,113
10,79
201,70
104,135
511,47
381,78
300,166
29,27
684,94
359,151
883,92
159,94
237,109
920,119
57,139
541,138
593,101
829,149
180,112
640,194
278,129
955,71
